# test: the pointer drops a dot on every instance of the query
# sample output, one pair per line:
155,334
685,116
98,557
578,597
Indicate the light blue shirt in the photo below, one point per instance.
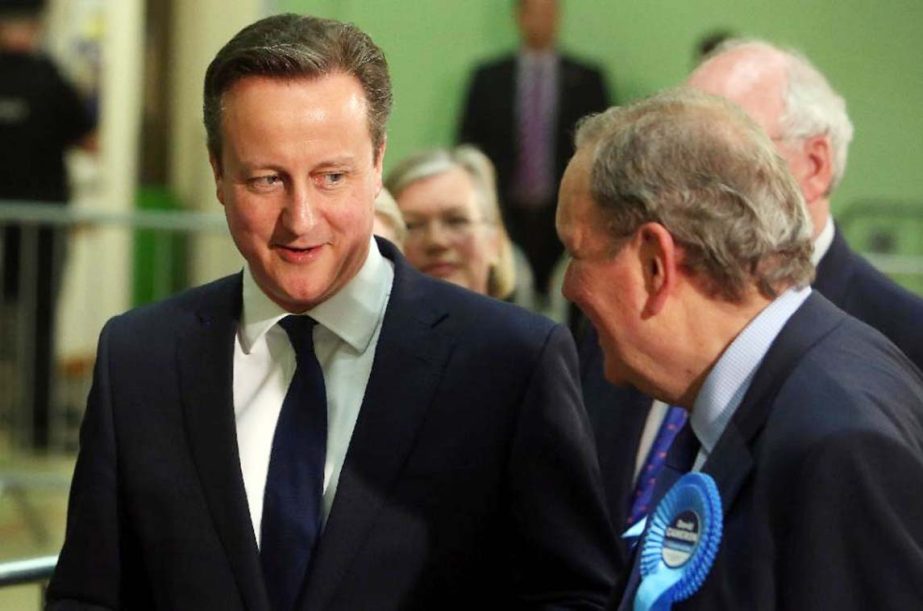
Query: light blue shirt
730,378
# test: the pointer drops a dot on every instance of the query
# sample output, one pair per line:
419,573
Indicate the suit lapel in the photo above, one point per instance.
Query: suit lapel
732,459
409,359
205,359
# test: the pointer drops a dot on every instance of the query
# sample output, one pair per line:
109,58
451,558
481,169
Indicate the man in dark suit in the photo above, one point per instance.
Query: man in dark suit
521,110
690,247
807,122
42,116
405,444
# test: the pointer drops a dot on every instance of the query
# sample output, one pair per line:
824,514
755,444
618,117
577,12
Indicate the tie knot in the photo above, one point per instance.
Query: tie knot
300,331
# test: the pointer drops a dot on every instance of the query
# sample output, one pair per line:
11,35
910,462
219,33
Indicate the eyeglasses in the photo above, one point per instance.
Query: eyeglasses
453,226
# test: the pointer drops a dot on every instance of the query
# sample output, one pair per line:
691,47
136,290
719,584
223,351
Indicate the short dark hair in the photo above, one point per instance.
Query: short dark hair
292,46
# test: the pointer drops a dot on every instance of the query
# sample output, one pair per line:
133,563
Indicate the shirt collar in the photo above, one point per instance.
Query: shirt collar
728,381
823,242
529,57
352,313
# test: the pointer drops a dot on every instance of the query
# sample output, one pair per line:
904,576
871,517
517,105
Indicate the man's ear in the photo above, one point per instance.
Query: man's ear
819,171
659,257
218,173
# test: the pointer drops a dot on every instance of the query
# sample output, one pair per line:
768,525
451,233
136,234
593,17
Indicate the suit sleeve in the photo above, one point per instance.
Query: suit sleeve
599,99
470,130
857,541
88,574
565,550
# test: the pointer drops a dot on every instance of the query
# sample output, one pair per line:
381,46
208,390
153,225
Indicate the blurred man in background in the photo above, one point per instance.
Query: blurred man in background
520,110
807,121
41,117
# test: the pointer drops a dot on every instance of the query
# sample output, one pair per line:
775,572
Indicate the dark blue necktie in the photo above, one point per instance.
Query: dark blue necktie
679,461
673,421
295,482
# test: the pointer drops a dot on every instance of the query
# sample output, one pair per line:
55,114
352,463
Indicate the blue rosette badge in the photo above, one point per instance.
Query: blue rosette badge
680,544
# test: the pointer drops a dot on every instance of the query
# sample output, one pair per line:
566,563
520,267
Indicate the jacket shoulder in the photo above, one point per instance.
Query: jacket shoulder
222,294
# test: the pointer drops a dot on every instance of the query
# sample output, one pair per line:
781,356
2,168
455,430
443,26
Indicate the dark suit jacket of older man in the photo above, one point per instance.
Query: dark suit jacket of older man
819,473
470,480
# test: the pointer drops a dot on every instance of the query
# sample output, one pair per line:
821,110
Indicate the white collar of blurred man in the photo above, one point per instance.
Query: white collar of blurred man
537,22
759,78
663,318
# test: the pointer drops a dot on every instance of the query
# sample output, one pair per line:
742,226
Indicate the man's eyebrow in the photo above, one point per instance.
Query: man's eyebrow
343,160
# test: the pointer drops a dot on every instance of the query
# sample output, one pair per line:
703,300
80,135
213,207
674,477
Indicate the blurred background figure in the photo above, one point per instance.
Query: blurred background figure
520,110
448,199
388,222
807,121
41,117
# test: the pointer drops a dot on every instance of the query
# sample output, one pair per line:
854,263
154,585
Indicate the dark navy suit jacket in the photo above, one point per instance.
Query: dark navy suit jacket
617,415
470,479
859,289
819,473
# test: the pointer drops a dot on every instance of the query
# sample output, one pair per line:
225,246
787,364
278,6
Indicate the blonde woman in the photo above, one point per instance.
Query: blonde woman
448,198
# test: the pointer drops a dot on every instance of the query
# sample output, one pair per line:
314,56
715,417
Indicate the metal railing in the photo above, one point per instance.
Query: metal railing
37,571
30,570
890,233
33,477
31,270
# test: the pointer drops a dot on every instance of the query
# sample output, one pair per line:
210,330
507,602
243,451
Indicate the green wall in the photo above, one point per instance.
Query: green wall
871,51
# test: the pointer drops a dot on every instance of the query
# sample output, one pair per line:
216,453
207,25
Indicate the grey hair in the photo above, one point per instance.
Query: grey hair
699,166
292,46
811,106
478,167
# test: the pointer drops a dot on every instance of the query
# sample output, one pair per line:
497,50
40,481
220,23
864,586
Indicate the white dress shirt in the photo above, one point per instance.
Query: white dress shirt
345,338
823,242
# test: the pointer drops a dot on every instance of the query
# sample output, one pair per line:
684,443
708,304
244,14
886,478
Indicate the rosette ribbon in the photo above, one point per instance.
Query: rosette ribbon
681,543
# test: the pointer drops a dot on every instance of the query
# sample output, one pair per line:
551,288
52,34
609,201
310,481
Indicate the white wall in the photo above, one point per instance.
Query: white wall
201,28
98,272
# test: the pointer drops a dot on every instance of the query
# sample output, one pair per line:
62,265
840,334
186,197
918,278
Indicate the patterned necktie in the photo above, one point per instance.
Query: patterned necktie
674,420
294,484
678,462
533,180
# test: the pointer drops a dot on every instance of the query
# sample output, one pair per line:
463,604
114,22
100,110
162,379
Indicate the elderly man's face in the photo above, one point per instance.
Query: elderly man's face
605,286
298,177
